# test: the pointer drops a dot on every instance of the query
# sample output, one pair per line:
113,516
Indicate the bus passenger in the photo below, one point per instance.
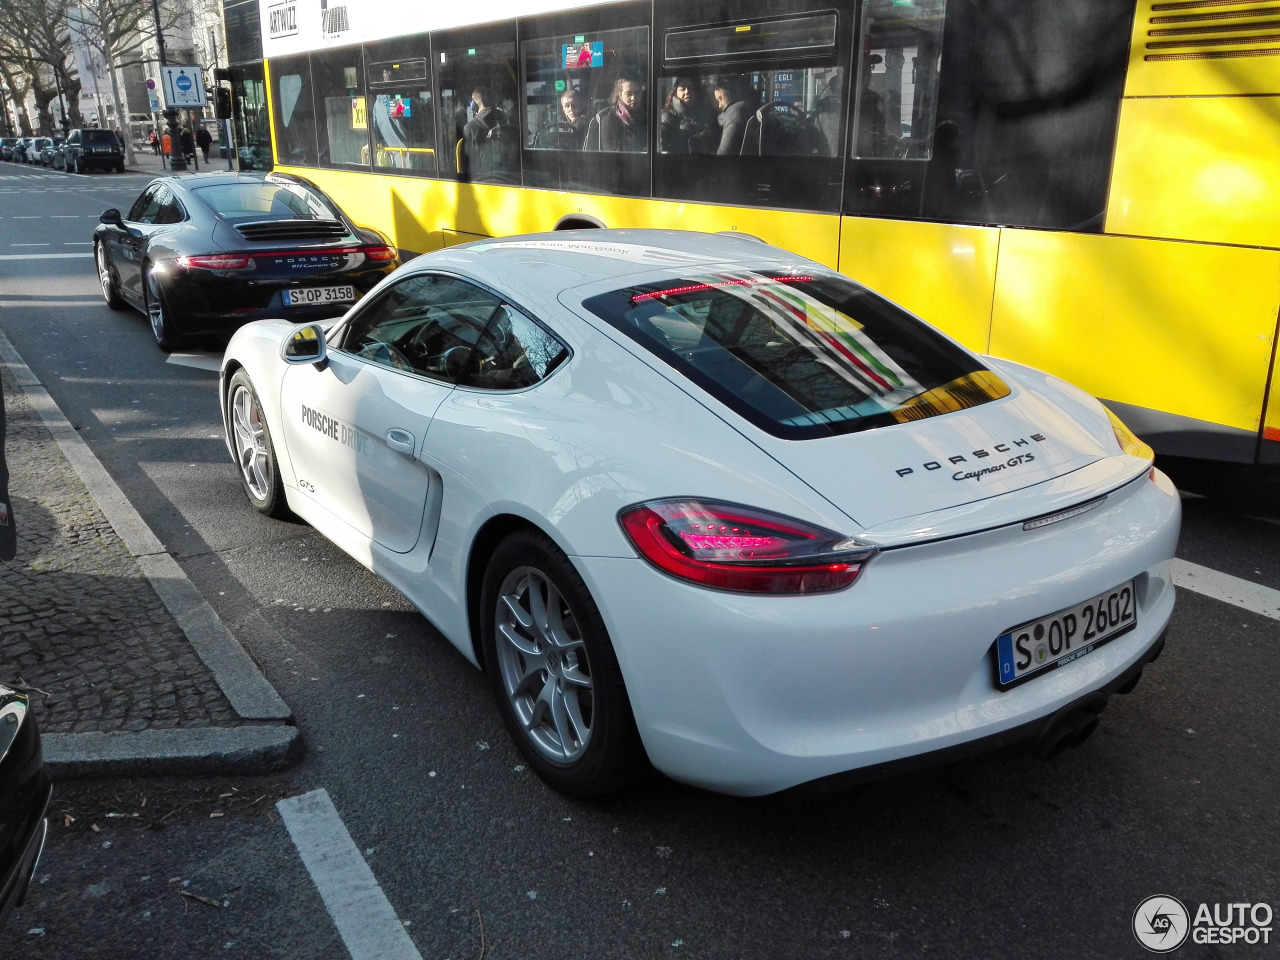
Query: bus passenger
620,127
489,138
734,96
569,129
682,124
826,115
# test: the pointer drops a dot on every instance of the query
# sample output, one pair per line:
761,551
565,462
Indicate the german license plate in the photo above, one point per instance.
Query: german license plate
307,296
1064,636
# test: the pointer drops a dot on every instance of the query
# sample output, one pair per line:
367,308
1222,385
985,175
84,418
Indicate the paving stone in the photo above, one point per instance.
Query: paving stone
80,625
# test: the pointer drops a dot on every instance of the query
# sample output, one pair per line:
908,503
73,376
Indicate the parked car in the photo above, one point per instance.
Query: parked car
20,149
35,151
87,148
6,147
51,147
693,498
25,788
208,252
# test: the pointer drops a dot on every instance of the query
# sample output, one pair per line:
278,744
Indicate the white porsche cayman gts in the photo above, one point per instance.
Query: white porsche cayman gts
695,500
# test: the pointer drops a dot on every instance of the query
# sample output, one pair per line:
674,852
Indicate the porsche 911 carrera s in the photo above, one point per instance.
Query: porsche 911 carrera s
695,501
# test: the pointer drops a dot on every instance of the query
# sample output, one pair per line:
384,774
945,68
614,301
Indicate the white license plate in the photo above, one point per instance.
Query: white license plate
1065,636
307,296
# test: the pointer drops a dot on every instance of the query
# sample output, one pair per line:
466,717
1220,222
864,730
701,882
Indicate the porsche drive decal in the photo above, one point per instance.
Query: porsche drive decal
975,472
336,430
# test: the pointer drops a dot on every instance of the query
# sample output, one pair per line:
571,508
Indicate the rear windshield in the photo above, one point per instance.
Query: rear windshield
800,356
265,200
100,137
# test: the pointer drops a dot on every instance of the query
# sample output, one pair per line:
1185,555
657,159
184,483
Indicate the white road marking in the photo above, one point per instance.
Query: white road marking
1222,586
43,256
200,361
360,910
78,243
64,216
28,244
24,218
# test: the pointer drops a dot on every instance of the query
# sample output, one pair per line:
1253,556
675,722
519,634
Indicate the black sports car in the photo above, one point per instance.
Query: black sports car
24,799
206,253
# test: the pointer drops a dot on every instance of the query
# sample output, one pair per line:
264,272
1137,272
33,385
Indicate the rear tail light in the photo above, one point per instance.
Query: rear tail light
731,547
217,261
379,252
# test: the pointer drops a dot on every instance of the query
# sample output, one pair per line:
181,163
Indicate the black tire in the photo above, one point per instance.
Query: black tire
159,316
255,452
610,754
120,167
107,278
79,165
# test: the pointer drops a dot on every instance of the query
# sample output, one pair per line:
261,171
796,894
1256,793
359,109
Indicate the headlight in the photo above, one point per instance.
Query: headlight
1128,440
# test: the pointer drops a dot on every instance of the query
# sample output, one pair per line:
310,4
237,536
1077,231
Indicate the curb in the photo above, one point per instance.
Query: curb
207,750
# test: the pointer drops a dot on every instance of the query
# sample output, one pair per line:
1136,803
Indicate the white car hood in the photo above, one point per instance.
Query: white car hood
885,474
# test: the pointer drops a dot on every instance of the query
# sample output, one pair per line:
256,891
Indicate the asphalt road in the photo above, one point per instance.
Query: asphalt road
1176,793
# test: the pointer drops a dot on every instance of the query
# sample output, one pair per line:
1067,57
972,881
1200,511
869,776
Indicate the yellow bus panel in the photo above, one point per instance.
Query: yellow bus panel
417,212
1198,168
1182,328
1204,47
942,272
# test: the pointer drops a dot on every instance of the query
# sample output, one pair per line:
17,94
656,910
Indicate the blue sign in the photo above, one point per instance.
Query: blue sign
183,82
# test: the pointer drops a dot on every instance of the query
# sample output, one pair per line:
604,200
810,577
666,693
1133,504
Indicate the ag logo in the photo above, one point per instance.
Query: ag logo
1161,924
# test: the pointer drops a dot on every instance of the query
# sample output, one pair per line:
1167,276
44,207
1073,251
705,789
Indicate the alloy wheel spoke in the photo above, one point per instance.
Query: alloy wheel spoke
518,613
526,645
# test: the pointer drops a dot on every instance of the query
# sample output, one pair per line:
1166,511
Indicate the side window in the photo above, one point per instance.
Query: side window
588,108
753,111
898,82
401,110
342,112
513,352
426,324
169,210
293,111
146,201
480,134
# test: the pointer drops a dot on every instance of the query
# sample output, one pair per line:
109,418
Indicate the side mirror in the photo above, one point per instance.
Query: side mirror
304,345
112,217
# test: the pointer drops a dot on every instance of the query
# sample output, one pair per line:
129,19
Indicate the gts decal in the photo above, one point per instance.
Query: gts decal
307,485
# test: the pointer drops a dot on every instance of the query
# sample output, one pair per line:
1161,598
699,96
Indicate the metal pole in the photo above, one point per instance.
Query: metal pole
176,159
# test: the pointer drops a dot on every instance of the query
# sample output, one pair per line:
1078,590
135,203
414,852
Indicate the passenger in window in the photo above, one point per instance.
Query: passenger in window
620,127
736,100
489,138
569,130
826,116
683,125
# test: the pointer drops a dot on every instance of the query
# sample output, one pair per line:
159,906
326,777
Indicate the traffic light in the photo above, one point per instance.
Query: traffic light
222,103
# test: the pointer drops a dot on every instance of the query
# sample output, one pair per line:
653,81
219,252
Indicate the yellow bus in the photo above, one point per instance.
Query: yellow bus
1090,187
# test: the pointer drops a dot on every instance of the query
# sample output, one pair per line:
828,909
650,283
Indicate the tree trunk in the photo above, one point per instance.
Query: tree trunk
72,87
43,113
18,94
122,110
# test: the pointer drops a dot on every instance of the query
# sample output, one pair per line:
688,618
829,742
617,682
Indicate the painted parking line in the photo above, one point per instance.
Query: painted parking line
360,910
1222,586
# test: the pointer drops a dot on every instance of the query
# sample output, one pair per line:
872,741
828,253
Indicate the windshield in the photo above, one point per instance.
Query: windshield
265,199
100,137
800,355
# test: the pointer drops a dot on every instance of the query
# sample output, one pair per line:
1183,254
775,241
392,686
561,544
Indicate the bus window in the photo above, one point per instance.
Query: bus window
1014,123
342,114
401,109
587,110
294,114
898,79
479,138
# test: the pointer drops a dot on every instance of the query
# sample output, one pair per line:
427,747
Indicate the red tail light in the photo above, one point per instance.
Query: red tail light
379,252
217,261
730,547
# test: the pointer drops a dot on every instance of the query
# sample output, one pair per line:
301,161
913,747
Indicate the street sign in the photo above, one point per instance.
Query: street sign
183,86
151,84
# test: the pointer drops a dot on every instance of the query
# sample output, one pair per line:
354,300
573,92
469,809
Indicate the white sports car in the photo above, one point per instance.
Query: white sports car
694,499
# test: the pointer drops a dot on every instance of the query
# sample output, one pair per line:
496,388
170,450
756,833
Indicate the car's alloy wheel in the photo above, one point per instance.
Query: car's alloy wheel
255,453
161,322
105,277
554,671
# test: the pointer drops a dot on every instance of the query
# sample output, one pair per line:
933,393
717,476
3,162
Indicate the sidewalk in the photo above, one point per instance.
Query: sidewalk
128,669
144,161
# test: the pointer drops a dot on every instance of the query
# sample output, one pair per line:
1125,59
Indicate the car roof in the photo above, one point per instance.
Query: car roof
558,261
192,181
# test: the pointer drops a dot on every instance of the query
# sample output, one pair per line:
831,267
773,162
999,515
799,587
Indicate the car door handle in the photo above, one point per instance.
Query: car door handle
401,441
